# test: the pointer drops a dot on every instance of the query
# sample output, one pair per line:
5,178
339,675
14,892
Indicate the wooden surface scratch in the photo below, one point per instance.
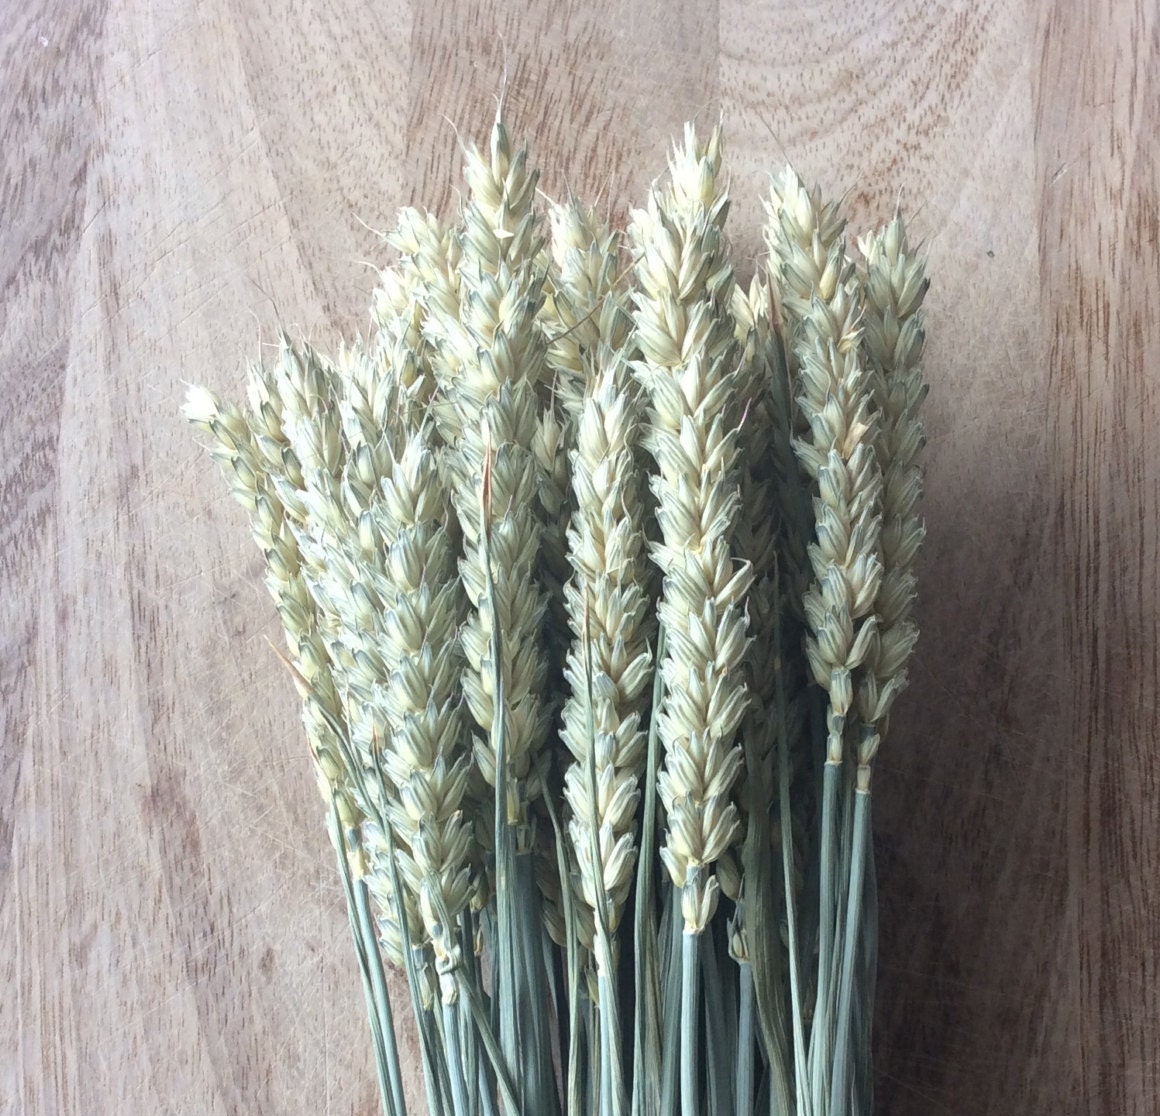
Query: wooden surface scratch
178,179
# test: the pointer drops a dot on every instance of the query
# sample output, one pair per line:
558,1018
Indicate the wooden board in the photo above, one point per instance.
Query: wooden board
176,178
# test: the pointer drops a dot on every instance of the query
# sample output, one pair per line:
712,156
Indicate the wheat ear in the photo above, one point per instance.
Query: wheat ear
894,285
233,448
583,307
609,664
821,298
492,364
298,401
263,472
389,581
688,369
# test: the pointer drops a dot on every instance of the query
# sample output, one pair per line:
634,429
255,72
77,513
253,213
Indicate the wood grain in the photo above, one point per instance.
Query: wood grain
178,178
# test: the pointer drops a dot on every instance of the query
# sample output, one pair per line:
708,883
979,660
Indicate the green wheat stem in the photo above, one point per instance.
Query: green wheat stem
743,1086
380,997
610,1025
863,1084
474,1067
491,1045
459,1101
842,884
690,1018
671,1044
720,1054
840,1077
820,1036
647,1061
606,1100
434,1070
381,1024
795,980
532,990
573,1084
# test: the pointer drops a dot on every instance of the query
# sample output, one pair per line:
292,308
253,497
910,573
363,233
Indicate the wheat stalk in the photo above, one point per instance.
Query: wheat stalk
492,371
688,368
822,302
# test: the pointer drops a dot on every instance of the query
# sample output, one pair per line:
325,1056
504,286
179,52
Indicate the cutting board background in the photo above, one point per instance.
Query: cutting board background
176,178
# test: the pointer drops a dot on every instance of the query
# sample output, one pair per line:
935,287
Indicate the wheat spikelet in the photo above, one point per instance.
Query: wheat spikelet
894,286
688,368
807,248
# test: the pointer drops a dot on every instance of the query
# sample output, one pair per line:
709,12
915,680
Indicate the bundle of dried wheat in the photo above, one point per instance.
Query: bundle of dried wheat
591,563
